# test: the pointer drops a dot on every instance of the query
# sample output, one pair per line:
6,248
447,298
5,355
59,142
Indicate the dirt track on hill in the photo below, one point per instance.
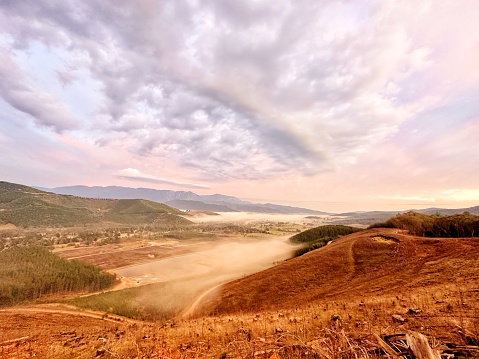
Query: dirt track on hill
191,310
368,263
66,310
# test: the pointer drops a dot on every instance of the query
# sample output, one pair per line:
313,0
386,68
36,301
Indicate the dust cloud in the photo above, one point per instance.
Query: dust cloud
182,279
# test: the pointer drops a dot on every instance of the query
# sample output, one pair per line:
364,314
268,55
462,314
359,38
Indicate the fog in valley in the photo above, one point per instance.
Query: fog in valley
250,218
180,280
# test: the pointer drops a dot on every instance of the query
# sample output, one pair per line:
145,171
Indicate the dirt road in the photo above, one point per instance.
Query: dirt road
190,311
67,310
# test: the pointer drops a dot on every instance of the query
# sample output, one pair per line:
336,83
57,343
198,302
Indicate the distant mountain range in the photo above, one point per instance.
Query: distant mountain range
22,205
370,217
181,199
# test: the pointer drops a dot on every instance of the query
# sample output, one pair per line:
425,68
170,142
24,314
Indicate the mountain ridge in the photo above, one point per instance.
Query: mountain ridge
225,203
187,200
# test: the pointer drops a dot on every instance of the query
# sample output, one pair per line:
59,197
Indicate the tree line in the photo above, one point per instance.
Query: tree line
320,236
330,230
28,273
437,225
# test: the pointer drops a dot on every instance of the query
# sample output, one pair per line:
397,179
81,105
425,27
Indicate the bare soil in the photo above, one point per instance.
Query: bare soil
113,256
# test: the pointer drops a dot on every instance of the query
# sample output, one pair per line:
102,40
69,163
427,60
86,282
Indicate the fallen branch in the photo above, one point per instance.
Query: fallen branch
420,346
386,347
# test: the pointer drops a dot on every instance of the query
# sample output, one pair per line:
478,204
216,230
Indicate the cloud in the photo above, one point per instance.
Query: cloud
408,198
132,174
239,90
43,108
462,194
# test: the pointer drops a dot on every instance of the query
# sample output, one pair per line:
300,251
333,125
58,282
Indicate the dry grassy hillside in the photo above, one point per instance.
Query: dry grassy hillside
345,300
24,206
361,265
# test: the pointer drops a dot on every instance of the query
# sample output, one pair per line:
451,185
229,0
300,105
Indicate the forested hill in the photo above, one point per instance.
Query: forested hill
24,206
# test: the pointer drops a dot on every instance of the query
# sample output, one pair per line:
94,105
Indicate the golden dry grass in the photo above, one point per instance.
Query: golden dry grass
330,303
334,329
355,266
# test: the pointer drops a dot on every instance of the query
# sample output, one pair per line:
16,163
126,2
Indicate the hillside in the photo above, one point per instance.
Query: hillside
355,298
138,211
28,207
319,237
366,264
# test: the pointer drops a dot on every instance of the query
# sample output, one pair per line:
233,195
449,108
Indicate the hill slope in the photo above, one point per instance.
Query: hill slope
25,206
364,264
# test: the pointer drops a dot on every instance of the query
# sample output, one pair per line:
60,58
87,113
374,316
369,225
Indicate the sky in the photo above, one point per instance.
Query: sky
331,105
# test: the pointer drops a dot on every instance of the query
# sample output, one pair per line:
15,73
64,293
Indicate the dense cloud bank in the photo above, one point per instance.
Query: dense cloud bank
232,89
